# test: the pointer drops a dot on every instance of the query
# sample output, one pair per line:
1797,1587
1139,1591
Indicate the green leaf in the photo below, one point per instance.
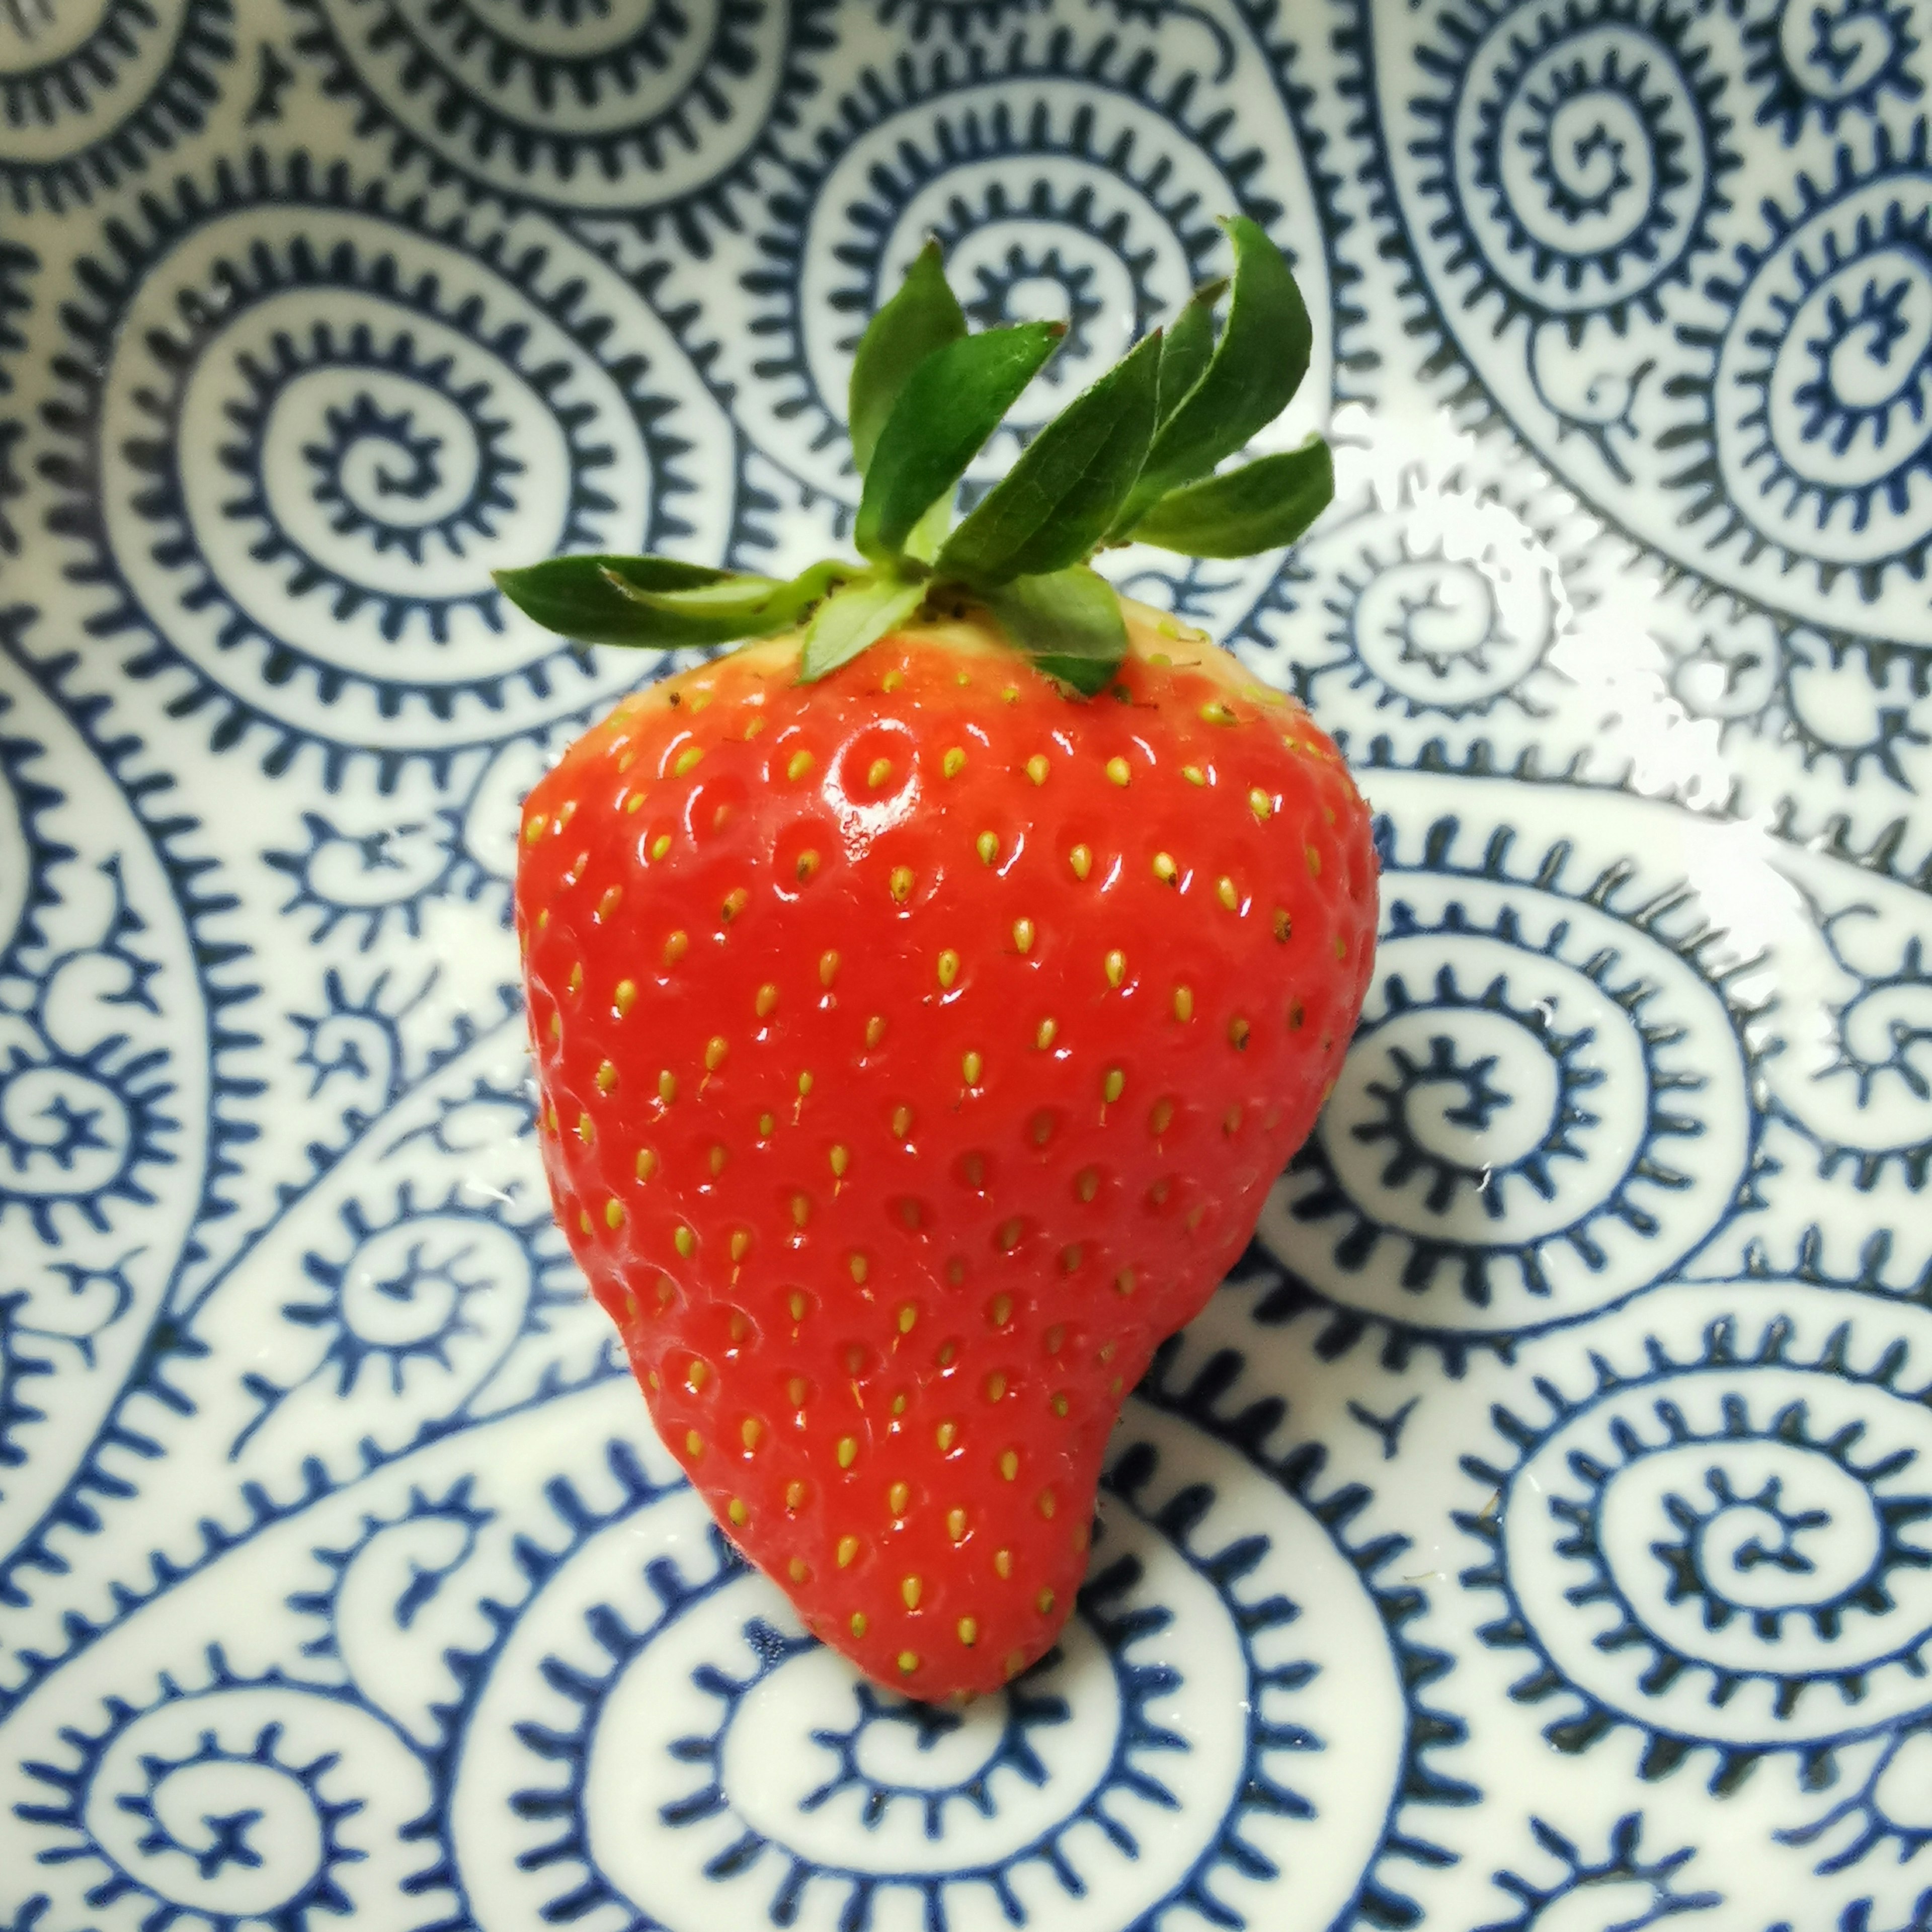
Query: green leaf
1260,506
923,316
656,603
1189,345
1057,501
739,607
575,596
850,619
735,597
926,537
947,408
742,605
1256,367
1069,622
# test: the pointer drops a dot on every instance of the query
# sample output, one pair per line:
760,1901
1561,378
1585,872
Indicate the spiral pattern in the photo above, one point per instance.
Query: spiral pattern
1061,191
595,108
1426,625
377,859
1730,672
266,1800
107,1092
1434,609
371,879
406,1313
1544,1110
1821,400
1822,63
1856,1083
420,1282
1717,1534
1575,150
1736,378
1114,1780
388,438
90,92
341,1577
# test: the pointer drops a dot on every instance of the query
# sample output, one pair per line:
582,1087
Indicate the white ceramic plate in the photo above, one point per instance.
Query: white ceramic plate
1537,1529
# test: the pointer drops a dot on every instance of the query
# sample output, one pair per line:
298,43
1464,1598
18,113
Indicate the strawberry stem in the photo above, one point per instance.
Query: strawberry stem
1134,457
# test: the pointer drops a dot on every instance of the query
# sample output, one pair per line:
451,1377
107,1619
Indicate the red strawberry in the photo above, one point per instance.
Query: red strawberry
916,1036
916,1048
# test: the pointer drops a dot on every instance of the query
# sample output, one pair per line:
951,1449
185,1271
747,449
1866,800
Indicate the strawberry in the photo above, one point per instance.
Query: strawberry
922,1006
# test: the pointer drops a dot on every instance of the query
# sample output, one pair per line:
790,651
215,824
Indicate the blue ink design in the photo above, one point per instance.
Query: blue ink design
660,114
1621,1878
380,880
172,1855
929,1723
1039,236
426,1582
1890,1781
421,399
273,78
1386,1429
1576,149
288,1347
1826,363
1880,1046
1767,1464
1470,1179
78,1130
140,81
1829,59
16,264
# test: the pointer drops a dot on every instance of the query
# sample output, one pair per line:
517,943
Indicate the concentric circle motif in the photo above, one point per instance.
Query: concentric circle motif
1061,188
1573,152
1820,397
401,401
1710,1524
656,1737
602,109
248,1801
90,91
1819,63
1545,1109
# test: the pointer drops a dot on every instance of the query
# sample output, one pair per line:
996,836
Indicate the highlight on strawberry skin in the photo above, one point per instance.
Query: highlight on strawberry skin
924,995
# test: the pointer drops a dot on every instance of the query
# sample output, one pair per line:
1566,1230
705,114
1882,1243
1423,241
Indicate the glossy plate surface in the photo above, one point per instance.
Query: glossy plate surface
1537,1531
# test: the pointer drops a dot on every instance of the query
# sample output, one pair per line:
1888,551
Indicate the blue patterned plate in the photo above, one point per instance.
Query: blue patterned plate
1536,1530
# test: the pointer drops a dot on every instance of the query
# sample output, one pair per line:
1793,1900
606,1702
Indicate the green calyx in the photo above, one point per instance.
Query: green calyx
1134,459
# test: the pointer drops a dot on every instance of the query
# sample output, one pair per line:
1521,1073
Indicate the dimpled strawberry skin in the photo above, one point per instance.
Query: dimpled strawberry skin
915,1048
